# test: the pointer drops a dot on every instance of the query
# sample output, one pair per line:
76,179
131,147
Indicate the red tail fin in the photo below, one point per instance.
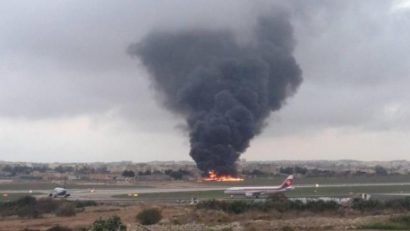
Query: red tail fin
287,182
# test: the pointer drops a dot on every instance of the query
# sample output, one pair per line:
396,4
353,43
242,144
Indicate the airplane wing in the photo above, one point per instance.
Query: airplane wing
253,194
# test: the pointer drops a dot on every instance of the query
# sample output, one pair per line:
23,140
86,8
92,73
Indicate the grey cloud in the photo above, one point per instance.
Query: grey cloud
355,60
64,58
353,43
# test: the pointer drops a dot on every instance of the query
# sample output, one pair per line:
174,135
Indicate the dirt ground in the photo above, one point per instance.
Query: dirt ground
185,217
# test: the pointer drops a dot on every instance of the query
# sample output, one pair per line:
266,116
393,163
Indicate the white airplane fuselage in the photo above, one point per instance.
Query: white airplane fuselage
261,190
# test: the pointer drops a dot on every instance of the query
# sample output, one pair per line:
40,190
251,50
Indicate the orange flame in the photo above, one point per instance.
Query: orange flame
213,176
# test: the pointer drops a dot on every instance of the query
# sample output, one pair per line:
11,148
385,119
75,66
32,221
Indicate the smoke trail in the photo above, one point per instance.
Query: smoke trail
224,89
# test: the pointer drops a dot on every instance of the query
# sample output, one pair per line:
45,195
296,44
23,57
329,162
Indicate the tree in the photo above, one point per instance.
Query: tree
113,223
128,173
300,170
258,173
145,173
287,170
149,216
9,169
102,169
380,170
63,169
177,175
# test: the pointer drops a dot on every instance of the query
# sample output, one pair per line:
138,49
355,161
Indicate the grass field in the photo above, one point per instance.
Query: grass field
348,190
317,180
175,195
394,223
298,192
50,186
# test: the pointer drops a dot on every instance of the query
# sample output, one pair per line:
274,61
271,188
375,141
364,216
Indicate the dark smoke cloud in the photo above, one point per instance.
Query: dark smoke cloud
223,88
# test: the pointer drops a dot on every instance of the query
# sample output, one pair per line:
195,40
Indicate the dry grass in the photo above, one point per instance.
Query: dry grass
185,217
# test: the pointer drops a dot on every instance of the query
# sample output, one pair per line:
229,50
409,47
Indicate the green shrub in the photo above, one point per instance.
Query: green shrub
226,206
31,207
321,206
395,223
213,204
367,205
398,204
278,197
238,207
262,206
282,204
66,210
25,207
59,228
149,216
401,219
287,228
383,226
297,205
28,211
279,204
26,200
113,223
83,204
47,205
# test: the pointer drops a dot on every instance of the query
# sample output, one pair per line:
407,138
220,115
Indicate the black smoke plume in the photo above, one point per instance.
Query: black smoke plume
223,88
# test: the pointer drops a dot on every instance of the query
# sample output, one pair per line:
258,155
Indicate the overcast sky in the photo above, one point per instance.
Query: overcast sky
70,92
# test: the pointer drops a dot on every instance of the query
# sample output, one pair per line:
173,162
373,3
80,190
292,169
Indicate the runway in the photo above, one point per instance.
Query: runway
107,194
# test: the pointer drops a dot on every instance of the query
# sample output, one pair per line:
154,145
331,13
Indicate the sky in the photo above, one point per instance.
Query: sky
70,92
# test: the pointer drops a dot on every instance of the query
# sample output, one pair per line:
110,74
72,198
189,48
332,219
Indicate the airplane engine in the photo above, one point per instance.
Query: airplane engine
249,194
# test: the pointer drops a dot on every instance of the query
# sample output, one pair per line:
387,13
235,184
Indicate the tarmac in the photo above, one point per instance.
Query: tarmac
107,194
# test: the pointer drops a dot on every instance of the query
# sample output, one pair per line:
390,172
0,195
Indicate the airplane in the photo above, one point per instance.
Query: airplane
59,192
262,190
